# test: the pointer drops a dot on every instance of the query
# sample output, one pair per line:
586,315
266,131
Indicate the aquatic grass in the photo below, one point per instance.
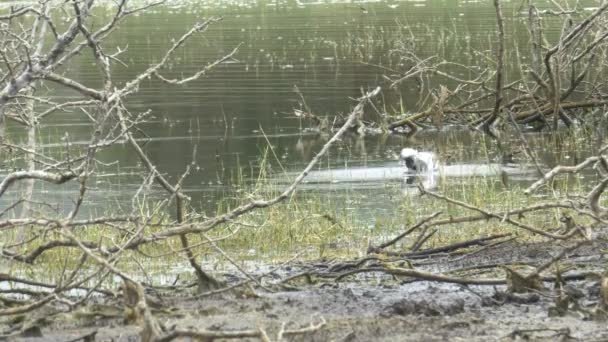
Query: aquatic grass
327,226
334,223
290,227
302,221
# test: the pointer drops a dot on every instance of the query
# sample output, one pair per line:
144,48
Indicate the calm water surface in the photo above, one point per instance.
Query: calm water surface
330,50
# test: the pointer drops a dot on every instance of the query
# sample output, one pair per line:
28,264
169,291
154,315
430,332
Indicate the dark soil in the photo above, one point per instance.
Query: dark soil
379,307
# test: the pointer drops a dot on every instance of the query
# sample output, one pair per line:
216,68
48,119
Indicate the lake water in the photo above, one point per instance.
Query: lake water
330,50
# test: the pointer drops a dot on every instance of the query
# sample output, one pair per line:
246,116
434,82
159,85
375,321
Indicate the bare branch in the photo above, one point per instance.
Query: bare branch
55,178
559,170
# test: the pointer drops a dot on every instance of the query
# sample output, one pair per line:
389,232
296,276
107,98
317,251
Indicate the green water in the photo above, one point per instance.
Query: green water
330,50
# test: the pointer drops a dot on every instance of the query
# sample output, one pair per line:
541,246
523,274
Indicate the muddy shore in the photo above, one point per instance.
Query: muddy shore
372,306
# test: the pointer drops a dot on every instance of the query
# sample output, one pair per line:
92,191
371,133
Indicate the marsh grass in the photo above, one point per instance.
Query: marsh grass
330,228
319,226
331,222
302,221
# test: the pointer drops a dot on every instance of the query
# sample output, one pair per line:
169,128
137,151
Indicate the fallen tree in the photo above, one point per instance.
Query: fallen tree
556,80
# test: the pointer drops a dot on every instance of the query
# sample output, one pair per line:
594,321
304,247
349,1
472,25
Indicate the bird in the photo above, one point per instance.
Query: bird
417,162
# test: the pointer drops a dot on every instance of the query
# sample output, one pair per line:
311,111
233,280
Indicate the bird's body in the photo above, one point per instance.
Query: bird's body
417,162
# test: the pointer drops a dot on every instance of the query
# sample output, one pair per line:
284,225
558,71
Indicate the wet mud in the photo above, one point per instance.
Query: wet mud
376,306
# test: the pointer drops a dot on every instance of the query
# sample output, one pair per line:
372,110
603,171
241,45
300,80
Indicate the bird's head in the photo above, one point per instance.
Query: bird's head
407,158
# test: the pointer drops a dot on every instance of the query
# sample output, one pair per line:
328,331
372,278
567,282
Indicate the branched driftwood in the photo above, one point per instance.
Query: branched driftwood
561,169
379,248
261,334
552,75
500,69
39,66
43,234
505,218
397,271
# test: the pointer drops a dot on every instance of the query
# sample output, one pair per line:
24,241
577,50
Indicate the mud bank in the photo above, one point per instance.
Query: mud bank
369,307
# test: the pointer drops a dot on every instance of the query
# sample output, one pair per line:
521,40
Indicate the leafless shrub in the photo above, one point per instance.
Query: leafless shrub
34,50
559,79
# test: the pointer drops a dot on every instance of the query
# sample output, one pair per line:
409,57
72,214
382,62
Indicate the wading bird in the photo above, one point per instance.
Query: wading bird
417,162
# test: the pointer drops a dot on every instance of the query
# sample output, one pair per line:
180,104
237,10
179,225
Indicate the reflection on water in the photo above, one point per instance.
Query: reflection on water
368,177
244,109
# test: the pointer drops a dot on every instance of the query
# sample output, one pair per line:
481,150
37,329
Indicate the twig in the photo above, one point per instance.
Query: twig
558,170
450,248
504,218
391,242
210,335
423,276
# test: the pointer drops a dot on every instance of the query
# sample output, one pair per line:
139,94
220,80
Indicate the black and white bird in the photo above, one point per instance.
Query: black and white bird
417,162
